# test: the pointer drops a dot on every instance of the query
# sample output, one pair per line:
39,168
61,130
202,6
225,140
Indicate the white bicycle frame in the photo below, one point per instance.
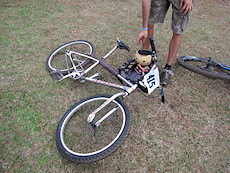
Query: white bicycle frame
79,73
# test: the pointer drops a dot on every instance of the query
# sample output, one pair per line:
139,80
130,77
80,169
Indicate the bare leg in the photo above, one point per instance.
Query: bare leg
150,33
174,47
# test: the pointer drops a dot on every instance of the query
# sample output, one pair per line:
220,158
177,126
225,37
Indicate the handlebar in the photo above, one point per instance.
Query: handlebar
119,45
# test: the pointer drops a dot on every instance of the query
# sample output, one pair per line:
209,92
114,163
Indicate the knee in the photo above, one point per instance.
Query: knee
177,35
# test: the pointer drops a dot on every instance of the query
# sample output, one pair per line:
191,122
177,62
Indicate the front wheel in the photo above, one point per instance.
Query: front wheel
79,141
61,61
205,67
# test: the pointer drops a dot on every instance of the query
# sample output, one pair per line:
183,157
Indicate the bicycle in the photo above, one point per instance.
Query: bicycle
205,66
95,127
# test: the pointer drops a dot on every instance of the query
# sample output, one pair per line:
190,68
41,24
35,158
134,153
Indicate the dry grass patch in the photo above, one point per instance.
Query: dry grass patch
189,133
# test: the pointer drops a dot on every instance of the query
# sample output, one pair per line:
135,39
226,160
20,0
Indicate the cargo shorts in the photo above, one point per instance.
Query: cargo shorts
158,12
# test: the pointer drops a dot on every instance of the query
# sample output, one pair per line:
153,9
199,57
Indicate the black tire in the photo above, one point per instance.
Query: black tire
85,143
57,59
205,67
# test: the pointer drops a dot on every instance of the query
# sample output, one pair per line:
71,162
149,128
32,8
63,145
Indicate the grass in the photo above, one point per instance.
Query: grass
189,133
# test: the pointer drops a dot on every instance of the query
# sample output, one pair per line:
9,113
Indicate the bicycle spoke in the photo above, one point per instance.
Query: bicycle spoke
56,61
81,136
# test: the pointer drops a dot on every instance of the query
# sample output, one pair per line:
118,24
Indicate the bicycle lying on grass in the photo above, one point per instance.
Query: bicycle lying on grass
96,126
206,67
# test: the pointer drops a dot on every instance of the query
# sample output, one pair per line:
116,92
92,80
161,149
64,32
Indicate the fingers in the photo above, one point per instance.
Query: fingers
188,9
142,37
139,40
186,6
181,3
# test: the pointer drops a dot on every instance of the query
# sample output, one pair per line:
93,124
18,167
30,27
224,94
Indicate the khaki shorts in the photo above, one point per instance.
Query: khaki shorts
158,12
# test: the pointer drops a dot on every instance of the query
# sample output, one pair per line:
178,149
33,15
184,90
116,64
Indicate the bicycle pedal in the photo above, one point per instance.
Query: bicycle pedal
56,75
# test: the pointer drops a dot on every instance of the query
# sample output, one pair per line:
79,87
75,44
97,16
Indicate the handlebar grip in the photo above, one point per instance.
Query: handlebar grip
152,43
107,67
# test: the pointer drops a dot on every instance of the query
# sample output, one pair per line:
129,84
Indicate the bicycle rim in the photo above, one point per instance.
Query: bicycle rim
82,140
205,67
58,60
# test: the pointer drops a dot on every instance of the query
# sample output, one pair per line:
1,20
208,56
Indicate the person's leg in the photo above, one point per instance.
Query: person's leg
179,25
150,33
157,14
174,47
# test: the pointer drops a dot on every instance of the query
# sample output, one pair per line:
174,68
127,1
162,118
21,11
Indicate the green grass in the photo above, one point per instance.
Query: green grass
189,133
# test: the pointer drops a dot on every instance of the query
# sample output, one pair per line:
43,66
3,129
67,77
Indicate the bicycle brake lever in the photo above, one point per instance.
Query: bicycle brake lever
122,45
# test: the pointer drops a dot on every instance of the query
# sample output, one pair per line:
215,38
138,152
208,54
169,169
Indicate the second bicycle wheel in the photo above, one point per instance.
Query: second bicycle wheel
59,60
79,141
205,67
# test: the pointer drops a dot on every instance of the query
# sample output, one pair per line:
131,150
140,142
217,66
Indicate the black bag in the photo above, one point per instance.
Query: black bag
127,70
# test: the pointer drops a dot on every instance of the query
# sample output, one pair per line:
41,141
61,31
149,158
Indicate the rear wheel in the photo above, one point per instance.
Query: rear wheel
58,59
205,67
79,141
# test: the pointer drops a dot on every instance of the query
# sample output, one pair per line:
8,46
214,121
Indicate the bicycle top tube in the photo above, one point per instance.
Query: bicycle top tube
129,89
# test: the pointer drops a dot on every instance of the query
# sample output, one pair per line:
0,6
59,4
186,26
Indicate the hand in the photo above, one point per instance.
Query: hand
143,35
186,6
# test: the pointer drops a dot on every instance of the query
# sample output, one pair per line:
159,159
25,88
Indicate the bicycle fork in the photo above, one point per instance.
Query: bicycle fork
93,114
